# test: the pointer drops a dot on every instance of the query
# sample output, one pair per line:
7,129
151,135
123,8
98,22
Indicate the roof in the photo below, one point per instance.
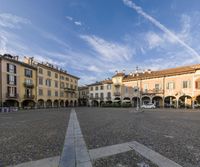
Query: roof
14,59
119,74
163,73
106,81
56,70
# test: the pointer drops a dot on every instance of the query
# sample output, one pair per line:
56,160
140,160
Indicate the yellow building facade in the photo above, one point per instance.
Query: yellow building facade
31,84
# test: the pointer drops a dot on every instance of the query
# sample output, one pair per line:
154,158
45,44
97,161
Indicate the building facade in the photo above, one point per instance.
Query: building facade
176,87
31,84
83,98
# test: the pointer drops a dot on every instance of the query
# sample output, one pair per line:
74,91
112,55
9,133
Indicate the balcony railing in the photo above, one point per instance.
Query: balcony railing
153,91
70,90
14,96
117,84
29,96
108,98
28,85
117,93
94,98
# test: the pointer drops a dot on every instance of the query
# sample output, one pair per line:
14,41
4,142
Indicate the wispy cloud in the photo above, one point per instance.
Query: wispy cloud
174,37
78,23
74,21
110,51
12,21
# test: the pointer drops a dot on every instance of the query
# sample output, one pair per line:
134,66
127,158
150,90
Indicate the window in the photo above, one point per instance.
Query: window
197,85
109,87
49,73
11,68
67,79
96,88
96,95
186,84
62,77
56,93
11,79
170,85
109,94
61,94
75,87
28,73
48,82
145,87
40,92
101,87
29,81
62,85
28,93
126,89
157,86
91,95
71,86
67,85
91,88
101,95
49,93
40,81
56,75
40,71
12,91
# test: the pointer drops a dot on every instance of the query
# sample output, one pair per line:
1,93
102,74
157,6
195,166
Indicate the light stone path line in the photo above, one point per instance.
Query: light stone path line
151,155
47,162
75,153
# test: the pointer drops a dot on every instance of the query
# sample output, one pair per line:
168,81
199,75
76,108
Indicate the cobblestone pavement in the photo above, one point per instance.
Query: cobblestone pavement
128,159
32,135
172,133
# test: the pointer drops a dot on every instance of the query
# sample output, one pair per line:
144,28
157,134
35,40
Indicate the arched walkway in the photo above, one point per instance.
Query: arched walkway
95,103
126,100
136,101
146,100
56,103
11,103
49,103
71,103
158,101
40,103
66,103
170,102
117,100
185,101
28,104
75,103
101,103
62,103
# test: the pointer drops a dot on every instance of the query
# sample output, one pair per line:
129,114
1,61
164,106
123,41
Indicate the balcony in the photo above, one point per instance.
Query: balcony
117,94
117,84
69,90
108,98
28,85
152,92
94,98
12,96
30,97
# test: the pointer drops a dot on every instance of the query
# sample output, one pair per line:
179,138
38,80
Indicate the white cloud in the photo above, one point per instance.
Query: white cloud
78,23
171,35
93,68
69,18
110,51
12,21
153,40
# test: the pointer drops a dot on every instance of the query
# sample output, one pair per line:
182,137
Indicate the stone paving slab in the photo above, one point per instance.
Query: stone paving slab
48,162
75,153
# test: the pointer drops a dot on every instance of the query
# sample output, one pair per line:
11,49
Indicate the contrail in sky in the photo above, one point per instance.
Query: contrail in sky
140,11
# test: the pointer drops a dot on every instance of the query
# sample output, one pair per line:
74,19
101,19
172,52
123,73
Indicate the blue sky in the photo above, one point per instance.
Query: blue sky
94,38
